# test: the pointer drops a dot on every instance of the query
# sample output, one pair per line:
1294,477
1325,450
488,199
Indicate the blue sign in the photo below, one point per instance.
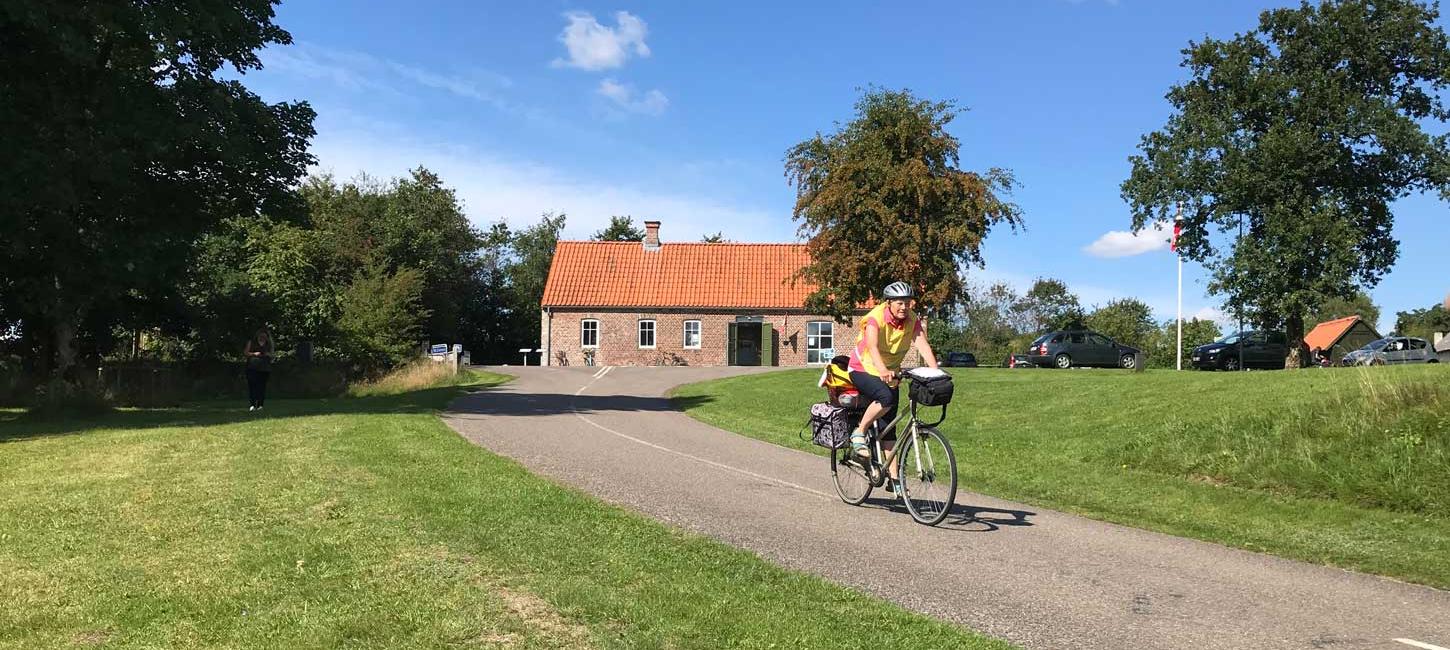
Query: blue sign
438,348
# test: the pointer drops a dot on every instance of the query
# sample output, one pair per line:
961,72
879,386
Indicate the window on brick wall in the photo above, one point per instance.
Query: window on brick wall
692,334
646,334
820,341
589,333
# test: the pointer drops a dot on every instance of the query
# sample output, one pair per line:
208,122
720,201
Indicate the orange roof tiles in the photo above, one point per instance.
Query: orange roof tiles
1326,334
624,274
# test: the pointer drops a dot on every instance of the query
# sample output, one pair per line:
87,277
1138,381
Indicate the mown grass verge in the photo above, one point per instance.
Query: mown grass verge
365,522
1345,467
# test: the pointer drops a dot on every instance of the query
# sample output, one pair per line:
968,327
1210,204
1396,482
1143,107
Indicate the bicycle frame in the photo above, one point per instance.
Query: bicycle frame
911,426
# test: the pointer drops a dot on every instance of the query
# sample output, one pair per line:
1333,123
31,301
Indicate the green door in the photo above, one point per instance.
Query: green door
767,345
732,341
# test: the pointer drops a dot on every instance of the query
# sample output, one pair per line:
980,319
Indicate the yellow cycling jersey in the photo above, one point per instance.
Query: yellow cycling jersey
893,340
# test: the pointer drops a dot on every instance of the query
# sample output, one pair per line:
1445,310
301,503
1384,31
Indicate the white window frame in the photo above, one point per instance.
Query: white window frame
582,329
685,334
820,360
654,330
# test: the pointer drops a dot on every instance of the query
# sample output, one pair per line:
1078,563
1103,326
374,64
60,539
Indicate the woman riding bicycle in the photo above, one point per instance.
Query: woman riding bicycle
884,336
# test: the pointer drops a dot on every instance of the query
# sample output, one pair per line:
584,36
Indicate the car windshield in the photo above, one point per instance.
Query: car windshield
1038,341
1232,338
1376,345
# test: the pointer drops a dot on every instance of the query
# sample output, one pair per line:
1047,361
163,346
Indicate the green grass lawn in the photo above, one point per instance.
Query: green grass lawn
1345,467
366,523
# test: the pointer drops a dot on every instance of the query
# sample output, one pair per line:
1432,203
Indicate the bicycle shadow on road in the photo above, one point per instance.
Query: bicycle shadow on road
963,518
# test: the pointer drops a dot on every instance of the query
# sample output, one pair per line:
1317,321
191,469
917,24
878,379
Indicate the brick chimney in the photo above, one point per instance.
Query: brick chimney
651,235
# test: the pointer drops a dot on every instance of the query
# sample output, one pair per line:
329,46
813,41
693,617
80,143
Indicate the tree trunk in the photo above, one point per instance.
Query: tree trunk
1294,333
64,331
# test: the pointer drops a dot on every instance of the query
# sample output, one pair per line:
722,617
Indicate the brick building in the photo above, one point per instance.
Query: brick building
654,303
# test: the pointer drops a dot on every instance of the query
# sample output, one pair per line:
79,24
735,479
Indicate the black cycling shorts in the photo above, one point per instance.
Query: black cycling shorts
875,390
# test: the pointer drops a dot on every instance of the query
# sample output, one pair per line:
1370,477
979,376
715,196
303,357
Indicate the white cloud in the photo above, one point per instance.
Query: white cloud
1121,243
593,46
495,187
653,102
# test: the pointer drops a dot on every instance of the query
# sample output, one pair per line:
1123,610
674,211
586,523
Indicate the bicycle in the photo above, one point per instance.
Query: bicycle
926,465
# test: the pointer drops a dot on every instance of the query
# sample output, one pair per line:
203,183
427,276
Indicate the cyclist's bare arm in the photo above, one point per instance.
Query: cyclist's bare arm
924,348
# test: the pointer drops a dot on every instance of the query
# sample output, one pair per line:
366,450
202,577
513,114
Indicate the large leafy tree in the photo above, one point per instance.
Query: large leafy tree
1303,130
884,199
1127,320
1050,305
1423,322
122,147
1358,303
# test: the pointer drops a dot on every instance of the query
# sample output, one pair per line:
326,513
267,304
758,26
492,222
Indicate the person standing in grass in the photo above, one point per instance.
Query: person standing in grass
259,367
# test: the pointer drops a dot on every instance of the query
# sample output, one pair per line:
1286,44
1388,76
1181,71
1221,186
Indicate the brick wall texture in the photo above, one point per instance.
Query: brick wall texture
618,343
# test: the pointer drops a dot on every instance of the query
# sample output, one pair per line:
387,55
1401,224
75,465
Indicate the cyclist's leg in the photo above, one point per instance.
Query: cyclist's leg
883,402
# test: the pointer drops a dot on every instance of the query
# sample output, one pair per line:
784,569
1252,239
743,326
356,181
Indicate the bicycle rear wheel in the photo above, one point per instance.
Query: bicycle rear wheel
928,470
849,472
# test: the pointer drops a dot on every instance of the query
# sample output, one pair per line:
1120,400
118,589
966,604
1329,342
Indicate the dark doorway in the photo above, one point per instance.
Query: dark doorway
751,343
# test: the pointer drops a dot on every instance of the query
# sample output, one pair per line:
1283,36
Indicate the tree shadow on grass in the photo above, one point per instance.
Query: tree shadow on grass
17,426
536,404
460,402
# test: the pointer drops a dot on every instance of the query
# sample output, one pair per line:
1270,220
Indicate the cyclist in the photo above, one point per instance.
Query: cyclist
883,337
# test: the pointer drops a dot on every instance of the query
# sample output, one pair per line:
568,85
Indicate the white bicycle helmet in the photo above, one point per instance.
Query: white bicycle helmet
897,290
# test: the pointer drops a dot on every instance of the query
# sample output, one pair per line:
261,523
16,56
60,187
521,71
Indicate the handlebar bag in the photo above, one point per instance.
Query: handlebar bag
932,391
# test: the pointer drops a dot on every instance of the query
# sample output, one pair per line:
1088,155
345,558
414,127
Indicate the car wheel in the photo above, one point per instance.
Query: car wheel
1128,361
1377,362
1231,363
1062,361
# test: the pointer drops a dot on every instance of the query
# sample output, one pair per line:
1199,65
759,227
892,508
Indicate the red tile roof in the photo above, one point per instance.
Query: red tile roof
624,274
1326,334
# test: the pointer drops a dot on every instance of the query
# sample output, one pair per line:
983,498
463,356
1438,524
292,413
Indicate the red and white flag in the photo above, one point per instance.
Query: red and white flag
1177,229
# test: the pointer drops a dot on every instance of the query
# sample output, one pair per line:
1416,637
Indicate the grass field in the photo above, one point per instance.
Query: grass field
365,523
1345,467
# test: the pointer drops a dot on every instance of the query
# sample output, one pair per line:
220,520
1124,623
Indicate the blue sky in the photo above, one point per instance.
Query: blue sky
682,112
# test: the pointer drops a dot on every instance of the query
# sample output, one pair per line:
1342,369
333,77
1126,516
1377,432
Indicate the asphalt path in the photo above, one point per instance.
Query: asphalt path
1039,578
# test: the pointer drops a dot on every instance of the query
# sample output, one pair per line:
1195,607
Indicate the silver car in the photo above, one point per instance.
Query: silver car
1392,350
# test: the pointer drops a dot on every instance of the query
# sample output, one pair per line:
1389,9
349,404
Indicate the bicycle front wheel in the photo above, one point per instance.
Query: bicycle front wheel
928,470
853,482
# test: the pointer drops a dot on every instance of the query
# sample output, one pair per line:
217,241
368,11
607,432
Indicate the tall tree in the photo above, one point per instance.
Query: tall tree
532,254
1357,304
1049,305
1128,321
1423,323
883,199
124,146
620,229
1304,130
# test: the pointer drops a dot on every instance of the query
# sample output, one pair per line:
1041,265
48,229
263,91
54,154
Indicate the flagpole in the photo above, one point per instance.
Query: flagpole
1177,218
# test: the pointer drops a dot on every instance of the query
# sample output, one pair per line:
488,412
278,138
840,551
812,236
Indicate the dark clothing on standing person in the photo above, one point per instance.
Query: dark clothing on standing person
257,386
259,368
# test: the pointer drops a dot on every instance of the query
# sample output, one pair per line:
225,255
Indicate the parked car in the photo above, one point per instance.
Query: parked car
1392,350
1068,348
1019,361
1266,350
959,360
